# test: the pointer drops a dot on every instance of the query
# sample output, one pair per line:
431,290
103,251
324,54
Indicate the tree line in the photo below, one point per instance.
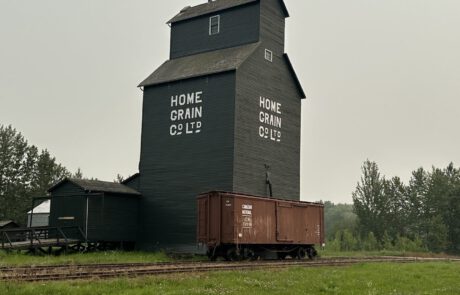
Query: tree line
422,215
25,172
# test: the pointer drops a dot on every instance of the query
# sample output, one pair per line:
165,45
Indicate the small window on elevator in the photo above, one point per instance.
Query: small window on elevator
269,55
214,25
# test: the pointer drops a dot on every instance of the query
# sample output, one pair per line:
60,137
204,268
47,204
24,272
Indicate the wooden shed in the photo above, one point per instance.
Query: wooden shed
223,113
39,216
105,211
8,224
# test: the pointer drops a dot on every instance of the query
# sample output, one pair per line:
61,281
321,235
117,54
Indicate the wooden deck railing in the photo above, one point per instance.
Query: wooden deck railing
35,236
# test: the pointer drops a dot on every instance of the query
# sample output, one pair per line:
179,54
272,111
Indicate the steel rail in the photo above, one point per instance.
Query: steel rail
156,270
133,264
105,271
127,265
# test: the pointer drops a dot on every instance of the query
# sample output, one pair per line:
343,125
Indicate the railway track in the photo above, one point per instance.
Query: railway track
105,271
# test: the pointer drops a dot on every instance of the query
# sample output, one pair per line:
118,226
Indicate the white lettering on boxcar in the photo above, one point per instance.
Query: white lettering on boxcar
186,113
270,119
246,216
247,222
247,212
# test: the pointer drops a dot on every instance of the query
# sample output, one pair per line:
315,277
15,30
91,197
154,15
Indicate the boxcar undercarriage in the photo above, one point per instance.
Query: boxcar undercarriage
231,252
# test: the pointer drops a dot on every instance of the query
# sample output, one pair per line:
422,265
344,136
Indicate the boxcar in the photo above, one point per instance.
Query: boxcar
237,226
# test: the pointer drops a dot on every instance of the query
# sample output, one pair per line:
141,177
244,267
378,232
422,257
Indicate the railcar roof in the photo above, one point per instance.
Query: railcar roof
242,195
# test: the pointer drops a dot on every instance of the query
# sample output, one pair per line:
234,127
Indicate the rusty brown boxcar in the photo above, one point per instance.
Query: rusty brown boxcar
236,226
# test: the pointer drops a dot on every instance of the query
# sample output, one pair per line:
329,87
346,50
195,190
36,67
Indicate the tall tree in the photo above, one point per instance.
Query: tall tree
426,211
13,170
370,202
417,193
398,208
24,173
453,220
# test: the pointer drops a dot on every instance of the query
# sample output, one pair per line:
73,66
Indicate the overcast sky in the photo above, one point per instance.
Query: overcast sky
382,80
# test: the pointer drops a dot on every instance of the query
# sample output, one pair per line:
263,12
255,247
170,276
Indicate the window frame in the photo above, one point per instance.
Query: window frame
268,55
211,24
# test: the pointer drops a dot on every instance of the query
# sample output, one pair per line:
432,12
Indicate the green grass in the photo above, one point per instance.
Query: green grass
328,253
21,259
18,259
386,278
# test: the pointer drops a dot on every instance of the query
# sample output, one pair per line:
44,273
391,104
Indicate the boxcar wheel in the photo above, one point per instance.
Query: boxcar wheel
250,254
301,253
232,255
311,252
211,253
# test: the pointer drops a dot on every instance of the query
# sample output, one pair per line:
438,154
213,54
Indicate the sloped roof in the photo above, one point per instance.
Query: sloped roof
214,6
201,64
98,186
294,75
131,178
43,208
6,222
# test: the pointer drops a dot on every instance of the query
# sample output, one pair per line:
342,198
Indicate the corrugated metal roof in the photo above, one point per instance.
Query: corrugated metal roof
214,6
43,208
98,186
197,65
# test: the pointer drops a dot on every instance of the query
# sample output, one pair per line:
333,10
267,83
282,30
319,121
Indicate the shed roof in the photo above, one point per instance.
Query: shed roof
98,186
4,223
131,178
201,64
43,208
214,6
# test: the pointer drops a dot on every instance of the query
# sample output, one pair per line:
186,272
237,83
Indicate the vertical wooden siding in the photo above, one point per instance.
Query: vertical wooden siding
175,169
272,26
256,78
229,154
111,217
238,26
67,200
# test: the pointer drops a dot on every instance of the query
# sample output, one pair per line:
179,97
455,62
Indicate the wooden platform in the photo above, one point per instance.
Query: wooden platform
26,245
33,239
